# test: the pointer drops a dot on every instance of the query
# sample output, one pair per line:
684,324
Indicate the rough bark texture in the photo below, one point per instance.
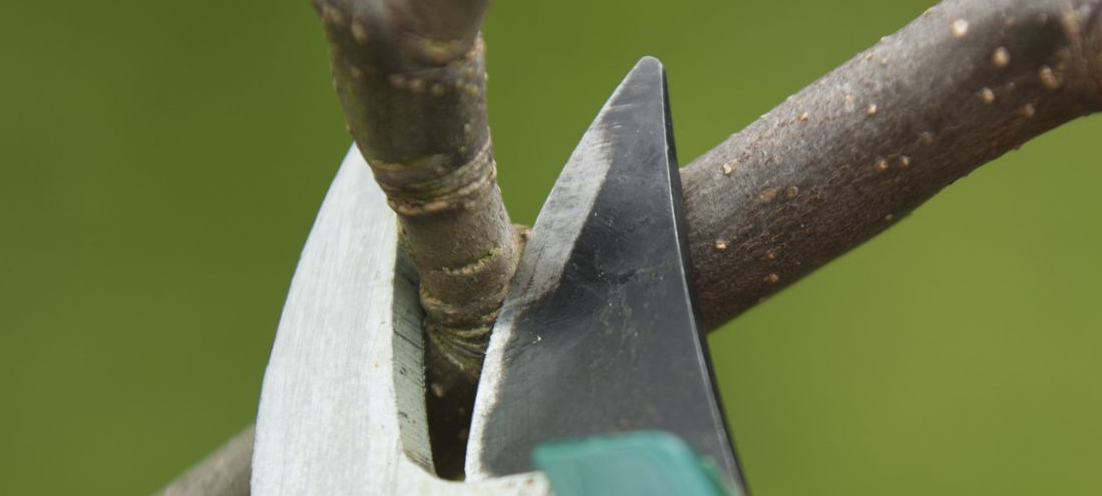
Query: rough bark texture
837,163
854,152
225,472
411,80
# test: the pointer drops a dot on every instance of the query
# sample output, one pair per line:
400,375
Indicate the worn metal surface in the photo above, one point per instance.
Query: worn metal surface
342,405
599,332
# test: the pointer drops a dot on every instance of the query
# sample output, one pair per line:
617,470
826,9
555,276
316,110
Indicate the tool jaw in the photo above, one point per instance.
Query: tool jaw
599,333
342,404
545,256
342,407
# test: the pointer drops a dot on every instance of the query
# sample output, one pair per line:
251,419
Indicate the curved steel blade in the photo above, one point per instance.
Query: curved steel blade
599,333
342,409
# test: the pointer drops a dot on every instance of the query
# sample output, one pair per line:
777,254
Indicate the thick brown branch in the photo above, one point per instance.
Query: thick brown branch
411,80
854,152
834,165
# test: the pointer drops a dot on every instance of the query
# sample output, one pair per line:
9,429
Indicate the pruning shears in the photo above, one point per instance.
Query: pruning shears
597,380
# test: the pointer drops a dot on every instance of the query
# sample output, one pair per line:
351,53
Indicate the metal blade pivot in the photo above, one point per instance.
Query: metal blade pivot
599,334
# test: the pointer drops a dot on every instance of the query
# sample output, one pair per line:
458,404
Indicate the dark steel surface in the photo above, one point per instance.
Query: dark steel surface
609,341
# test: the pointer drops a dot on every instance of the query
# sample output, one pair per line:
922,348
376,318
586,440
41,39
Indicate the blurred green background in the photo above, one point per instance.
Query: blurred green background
161,164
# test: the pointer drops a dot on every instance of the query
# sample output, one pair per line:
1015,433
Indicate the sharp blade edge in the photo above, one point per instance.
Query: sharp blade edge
599,333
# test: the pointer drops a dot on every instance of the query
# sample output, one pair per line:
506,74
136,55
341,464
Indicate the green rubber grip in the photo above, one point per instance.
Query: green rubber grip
631,464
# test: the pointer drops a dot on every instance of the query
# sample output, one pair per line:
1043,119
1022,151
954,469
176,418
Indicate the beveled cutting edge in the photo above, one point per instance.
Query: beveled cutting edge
342,405
599,332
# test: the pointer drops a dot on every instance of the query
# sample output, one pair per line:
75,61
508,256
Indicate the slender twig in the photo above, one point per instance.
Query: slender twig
411,80
835,164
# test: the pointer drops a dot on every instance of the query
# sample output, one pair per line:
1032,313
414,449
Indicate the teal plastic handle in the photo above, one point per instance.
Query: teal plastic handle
632,464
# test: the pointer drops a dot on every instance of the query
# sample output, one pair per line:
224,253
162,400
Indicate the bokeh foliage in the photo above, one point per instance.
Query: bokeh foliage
161,163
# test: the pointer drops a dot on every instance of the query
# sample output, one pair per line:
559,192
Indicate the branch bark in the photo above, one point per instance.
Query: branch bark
834,165
851,154
225,472
411,79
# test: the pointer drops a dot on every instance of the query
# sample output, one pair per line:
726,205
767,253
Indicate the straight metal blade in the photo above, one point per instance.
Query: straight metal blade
599,332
